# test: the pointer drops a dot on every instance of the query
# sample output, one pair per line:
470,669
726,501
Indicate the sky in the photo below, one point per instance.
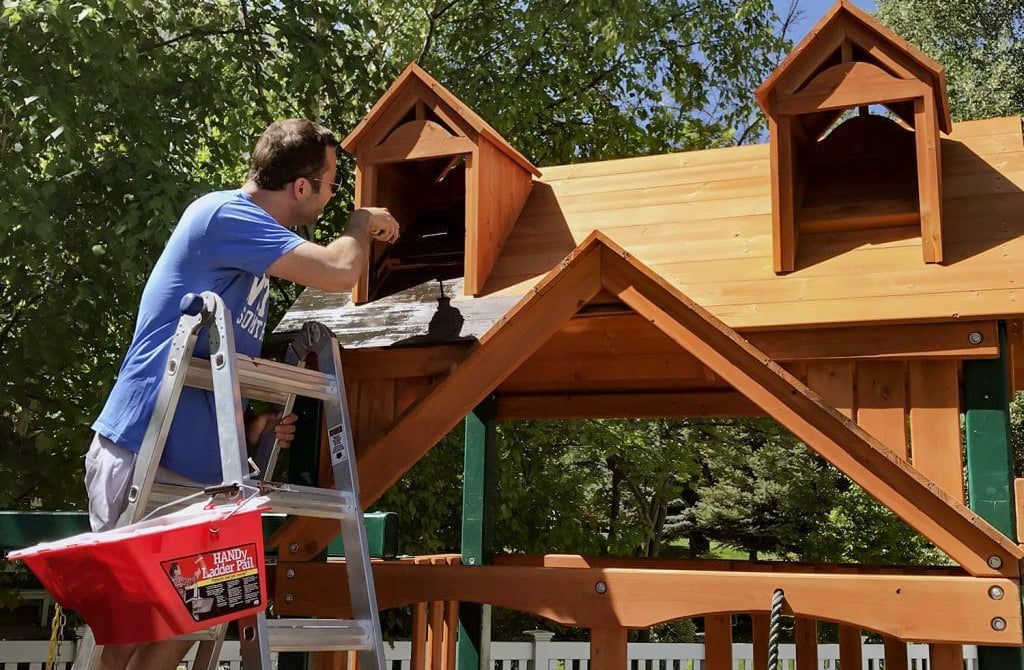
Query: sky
812,11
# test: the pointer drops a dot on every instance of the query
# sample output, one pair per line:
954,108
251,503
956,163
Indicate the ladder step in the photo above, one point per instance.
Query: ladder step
262,379
284,498
319,634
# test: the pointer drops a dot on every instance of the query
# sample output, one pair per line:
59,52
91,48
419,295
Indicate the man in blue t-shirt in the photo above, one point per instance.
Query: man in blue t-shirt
227,242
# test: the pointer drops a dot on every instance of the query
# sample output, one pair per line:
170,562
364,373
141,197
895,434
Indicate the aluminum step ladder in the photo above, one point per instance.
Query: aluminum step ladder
231,377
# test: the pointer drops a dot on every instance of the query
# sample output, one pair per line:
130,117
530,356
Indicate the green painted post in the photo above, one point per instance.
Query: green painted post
479,476
990,464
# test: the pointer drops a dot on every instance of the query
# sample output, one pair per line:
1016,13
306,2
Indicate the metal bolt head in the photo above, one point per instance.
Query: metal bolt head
218,360
293,548
601,587
471,561
290,598
291,573
995,562
999,623
975,337
995,592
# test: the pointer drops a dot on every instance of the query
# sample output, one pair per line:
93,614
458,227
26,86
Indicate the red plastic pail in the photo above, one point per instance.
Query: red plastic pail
161,578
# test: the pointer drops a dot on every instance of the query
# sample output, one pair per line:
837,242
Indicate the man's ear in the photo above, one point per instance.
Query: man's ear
298,188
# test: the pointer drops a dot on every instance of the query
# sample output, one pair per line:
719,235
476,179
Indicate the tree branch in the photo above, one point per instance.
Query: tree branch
198,32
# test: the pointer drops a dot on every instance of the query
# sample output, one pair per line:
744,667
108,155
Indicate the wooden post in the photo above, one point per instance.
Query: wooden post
949,657
435,635
608,648
761,624
895,653
806,644
419,637
784,231
929,176
718,642
850,655
479,473
990,463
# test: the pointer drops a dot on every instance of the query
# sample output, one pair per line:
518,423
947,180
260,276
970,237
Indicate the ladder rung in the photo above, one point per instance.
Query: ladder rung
318,634
261,379
309,500
284,498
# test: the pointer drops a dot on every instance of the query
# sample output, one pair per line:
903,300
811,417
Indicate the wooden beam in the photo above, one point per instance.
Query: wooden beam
626,405
417,140
419,635
503,348
907,606
850,85
966,538
882,342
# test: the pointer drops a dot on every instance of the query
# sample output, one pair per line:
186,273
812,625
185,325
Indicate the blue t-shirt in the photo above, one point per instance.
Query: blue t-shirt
224,242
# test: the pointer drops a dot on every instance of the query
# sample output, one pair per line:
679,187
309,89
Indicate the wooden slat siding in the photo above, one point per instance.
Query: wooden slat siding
869,463
401,363
419,637
502,197
895,653
631,406
435,635
330,660
935,445
882,402
945,657
718,642
502,349
912,606
834,382
761,627
1018,497
806,638
850,655
408,391
608,648
929,177
365,194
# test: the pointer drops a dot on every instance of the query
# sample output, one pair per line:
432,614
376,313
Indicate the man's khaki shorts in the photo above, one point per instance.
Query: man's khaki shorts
108,476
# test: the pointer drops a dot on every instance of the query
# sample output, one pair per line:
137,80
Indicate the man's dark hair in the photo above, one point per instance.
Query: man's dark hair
287,150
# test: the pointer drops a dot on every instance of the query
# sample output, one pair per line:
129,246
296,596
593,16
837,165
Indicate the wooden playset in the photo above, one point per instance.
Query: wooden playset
855,279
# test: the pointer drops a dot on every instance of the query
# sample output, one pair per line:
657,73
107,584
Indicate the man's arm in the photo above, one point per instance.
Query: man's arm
337,266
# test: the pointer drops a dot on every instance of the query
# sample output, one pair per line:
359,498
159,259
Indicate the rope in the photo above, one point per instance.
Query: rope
56,636
774,628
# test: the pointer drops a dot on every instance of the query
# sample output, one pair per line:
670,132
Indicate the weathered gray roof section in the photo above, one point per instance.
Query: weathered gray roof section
430,313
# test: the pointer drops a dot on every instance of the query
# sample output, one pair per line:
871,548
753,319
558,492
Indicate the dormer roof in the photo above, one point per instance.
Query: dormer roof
845,22
415,85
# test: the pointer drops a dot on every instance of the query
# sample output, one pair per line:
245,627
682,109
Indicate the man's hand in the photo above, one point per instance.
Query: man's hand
284,429
383,226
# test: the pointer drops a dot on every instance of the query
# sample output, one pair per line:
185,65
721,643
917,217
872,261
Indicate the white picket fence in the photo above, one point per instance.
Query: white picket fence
539,654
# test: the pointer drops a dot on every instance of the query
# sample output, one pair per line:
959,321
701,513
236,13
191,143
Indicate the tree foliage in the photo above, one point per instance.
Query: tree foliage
980,45
114,115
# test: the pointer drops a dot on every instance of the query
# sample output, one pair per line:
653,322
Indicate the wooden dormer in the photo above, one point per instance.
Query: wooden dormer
870,171
453,183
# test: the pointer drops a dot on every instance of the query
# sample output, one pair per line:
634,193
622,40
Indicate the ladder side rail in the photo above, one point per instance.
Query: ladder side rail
252,629
353,529
147,461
